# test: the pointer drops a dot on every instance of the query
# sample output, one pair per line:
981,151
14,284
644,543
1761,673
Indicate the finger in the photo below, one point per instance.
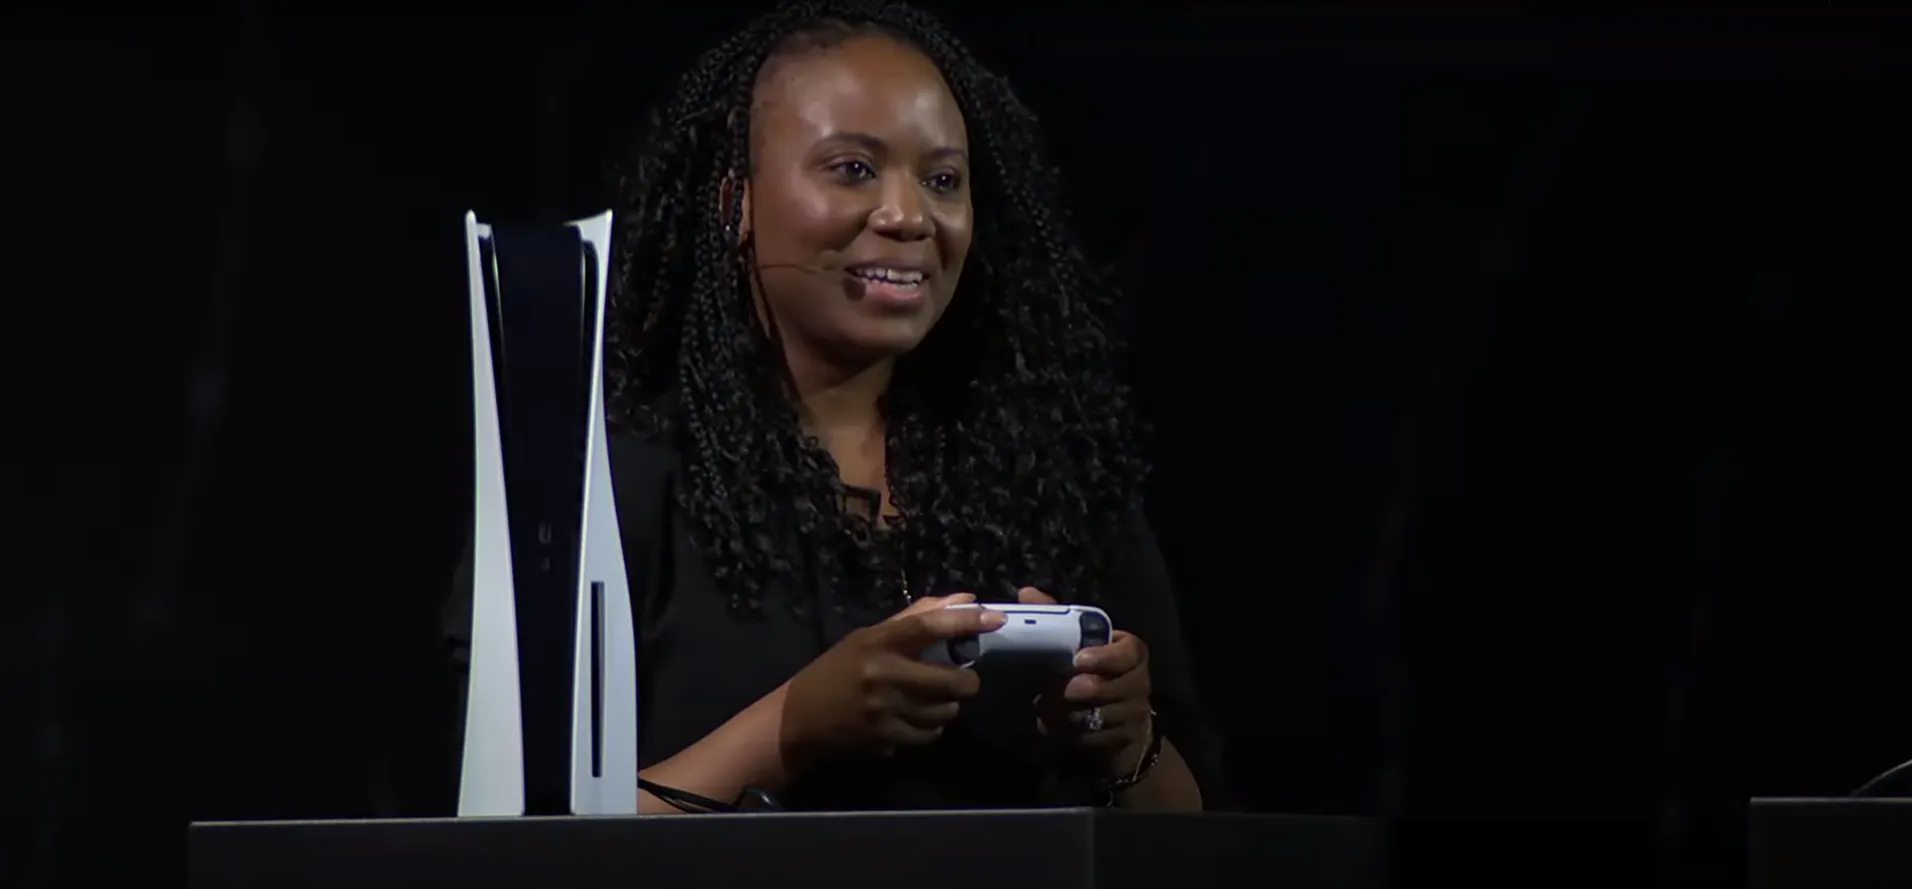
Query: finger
932,603
1088,689
912,634
1121,724
896,731
1062,718
1031,596
1116,715
1083,690
1125,653
923,681
929,715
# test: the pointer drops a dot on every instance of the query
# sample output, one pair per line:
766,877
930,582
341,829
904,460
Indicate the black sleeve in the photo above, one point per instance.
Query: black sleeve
642,473
1142,601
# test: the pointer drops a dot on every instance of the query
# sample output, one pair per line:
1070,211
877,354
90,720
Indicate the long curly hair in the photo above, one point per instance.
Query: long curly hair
1013,450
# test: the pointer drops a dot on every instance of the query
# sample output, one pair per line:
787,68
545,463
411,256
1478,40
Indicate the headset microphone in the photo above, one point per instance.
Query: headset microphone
856,286
795,266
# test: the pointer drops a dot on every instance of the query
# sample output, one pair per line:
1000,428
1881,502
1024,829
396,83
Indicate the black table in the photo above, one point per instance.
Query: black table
1829,843
1048,849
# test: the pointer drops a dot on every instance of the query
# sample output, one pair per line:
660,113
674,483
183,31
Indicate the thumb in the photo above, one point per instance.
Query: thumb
910,633
1031,596
933,603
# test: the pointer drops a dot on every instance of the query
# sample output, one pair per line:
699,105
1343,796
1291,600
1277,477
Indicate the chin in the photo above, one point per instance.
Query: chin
880,341
882,348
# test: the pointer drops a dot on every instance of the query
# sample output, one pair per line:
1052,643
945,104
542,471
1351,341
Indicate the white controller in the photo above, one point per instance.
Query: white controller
1049,633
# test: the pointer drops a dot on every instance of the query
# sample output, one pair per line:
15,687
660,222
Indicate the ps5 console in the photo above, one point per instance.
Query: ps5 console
1031,634
551,709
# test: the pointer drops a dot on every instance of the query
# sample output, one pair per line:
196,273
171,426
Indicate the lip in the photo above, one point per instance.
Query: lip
926,269
884,295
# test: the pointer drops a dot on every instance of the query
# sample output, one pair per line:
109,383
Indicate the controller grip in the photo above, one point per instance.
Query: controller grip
961,651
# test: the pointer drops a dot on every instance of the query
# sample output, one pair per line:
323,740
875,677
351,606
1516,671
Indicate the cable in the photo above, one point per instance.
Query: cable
1884,776
752,799
683,800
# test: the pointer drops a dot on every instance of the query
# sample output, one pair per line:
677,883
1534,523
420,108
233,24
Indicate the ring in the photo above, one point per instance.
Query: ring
1092,721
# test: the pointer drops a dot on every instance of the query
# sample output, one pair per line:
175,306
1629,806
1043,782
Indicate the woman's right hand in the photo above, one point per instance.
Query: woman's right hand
871,692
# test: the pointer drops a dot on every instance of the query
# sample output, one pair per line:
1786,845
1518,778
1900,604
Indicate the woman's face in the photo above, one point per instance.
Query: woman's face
858,200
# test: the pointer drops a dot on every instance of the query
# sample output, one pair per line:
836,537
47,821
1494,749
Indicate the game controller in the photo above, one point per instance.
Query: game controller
1045,633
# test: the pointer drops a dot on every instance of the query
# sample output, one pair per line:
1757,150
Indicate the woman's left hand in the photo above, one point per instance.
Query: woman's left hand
1104,708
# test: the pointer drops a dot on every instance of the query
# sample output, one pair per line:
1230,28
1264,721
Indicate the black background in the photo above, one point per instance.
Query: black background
1524,386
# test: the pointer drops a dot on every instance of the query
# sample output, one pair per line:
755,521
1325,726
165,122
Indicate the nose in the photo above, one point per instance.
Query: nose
902,214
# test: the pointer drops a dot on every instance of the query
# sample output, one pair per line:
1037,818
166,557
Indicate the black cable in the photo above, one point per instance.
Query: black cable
1884,776
755,799
752,799
683,800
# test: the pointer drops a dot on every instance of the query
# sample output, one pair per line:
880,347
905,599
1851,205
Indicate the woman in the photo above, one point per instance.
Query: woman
856,375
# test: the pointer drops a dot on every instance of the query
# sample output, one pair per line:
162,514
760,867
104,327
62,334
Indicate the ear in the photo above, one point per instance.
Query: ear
733,203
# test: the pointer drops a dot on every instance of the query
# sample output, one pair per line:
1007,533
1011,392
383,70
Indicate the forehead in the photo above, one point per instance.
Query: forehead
872,85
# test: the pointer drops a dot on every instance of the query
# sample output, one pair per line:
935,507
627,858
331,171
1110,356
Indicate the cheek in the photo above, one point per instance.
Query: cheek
799,220
956,230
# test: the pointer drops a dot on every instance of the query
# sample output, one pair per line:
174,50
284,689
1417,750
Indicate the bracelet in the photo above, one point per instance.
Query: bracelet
1115,788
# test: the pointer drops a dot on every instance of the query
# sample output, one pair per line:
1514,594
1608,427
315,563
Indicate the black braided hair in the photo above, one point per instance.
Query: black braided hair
1013,452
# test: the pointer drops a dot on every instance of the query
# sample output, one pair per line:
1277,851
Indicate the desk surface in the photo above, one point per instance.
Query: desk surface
1049,849
1838,843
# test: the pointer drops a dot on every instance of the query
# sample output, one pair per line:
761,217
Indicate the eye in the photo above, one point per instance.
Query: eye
853,170
945,182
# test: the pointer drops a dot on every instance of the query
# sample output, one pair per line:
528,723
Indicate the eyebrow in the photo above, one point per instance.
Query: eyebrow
875,144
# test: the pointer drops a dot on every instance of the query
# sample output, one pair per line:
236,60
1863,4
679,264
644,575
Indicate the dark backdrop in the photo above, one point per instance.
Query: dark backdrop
1509,371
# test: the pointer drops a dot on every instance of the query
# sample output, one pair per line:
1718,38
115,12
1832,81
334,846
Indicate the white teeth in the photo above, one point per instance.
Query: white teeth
891,276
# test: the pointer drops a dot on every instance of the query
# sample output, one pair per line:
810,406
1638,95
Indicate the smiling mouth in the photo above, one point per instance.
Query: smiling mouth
892,288
903,278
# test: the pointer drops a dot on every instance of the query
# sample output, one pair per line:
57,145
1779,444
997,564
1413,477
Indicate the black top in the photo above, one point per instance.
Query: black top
699,664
